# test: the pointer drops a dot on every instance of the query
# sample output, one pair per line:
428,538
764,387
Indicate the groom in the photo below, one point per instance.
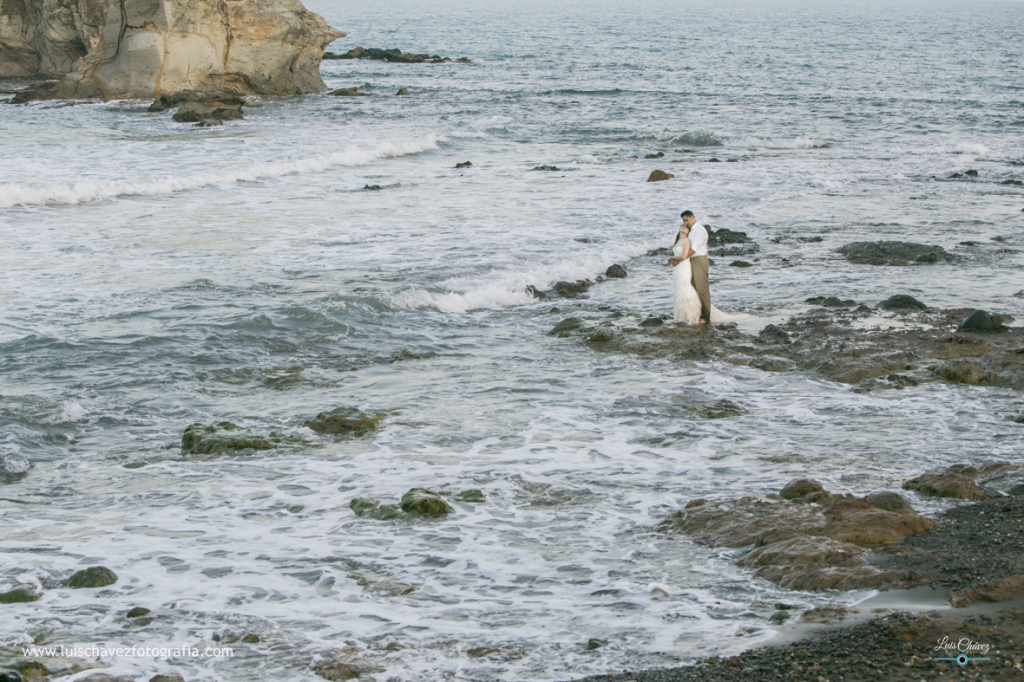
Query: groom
699,263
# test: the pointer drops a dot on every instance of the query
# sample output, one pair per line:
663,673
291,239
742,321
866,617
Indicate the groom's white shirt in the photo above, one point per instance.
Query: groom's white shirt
699,240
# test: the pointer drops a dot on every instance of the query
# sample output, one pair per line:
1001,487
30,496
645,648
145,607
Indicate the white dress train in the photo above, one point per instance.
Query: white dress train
686,302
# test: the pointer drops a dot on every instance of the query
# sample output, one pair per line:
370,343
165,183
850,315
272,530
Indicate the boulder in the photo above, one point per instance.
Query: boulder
94,576
656,155
888,501
348,92
201,439
375,510
129,49
718,409
401,92
209,110
566,325
464,164
982,321
956,482
722,237
652,322
423,502
894,253
392,55
964,371
473,495
13,468
831,302
773,363
345,421
801,487
1003,589
21,595
572,289
902,302
741,264
546,168
615,271
658,176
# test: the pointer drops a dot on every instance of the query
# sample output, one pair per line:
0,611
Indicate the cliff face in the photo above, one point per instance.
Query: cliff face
144,48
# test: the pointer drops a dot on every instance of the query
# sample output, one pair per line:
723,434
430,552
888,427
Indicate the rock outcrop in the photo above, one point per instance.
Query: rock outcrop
130,49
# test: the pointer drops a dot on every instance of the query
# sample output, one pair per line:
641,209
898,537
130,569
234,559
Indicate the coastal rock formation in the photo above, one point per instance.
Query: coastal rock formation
94,576
658,176
201,439
805,538
393,55
970,483
345,421
120,49
894,253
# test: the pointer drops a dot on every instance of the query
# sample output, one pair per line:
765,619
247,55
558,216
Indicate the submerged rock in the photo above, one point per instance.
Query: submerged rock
372,509
94,576
464,164
224,109
723,237
21,594
719,409
202,439
894,253
615,271
572,289
13,468
658,176
345,421
425,502
348,92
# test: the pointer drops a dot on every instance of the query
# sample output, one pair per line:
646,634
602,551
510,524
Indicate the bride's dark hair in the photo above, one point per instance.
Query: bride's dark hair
679,235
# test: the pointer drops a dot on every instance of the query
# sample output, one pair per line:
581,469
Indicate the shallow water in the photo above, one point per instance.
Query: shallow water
158,275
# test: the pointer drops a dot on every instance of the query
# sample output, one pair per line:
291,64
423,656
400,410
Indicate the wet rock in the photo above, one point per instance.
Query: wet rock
482,651
773,334
1003,589
464,164
894,253
21,595
371,509
831,302
223,109
779,617
652,322
658,176
956,482
594,643
566,325
346,421
657,155
982,321
535,292
801,487
740,264
94,576
201,439
372,188
829,613
167,678
545,168
1001,476
348,92
137,612
964,371
402,92
393,55
902,302
971,173
893,502
615,271
13,468
340,670
572,289
425,502
723,237
772,363
806,563
475,496
35,92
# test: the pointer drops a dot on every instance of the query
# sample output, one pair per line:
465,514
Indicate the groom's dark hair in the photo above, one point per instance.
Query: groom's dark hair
685,214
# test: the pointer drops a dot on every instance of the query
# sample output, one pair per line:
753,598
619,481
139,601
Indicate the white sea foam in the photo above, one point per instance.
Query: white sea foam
496,122
70,412
776,143
13,194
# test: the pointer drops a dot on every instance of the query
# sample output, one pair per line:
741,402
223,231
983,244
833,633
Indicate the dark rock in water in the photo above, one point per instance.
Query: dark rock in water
393,55
652,322
773,334
473,495
811,239
772,363
658,176
375,510
94,576
800,487
723,236
779,617
956,175
200,439
13,468
21,595
348,92
714,159
741,264
956,482
545,168
667,251
137,611
373,188
831,302
566,325
401,92
425,503
655,156
10,677
464,60
964,371
464,164
902,302
971,173
162,678
982,321
572,289
719,409
893,502
535,292
615,271
595,643
1018,183
220,109
894,253
345,421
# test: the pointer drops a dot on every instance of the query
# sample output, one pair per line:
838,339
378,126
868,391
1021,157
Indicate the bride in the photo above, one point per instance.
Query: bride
686,304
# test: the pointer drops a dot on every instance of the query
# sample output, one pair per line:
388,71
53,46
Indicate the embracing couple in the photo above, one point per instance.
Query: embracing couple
689,263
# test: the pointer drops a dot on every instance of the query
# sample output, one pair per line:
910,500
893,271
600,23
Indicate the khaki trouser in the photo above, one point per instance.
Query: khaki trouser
699,279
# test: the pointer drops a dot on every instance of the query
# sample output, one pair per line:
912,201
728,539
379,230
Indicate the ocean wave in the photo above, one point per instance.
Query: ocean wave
778,143
13,194
496,122
70,412
698,138
507,289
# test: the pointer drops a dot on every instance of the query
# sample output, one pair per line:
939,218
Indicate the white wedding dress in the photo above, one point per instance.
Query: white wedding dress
686,304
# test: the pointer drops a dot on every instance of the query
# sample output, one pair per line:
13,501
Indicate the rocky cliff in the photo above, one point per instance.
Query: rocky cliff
116,49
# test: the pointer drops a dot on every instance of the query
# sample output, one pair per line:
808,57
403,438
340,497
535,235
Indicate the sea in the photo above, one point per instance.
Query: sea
155,274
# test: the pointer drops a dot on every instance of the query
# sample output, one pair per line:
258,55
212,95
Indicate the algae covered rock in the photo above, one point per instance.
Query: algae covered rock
202,439
371,509
956,482
21,595
473,495
425,503
345,421
94,576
